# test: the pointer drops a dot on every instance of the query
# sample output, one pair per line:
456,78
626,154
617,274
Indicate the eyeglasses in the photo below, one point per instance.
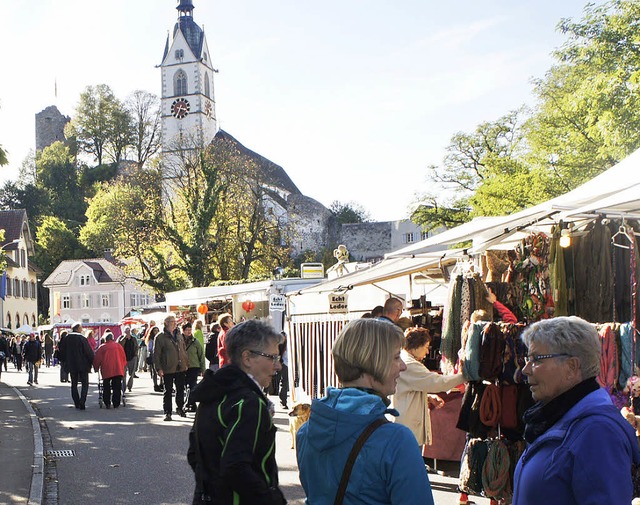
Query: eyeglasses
537,358
273,357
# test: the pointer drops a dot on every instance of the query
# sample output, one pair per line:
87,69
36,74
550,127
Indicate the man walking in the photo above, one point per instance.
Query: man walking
130,346
110,360
32,353
77,356
170,360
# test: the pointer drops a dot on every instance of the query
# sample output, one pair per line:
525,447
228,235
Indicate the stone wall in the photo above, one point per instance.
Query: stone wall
314,226
50,125
367,241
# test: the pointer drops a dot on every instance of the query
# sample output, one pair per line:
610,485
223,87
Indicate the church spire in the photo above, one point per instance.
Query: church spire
185,7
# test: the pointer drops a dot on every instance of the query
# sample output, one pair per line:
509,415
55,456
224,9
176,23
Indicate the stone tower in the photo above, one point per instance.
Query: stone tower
188,102
50,125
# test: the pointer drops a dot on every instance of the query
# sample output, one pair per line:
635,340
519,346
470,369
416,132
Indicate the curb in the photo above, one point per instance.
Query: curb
37,477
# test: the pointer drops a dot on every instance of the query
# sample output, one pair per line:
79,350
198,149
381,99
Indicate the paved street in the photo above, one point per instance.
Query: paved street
130,455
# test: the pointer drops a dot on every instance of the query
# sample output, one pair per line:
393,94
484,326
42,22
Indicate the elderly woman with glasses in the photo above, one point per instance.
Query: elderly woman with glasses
389,468
579,448
232,444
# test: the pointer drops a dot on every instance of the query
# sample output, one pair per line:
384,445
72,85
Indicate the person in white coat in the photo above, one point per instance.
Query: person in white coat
417,385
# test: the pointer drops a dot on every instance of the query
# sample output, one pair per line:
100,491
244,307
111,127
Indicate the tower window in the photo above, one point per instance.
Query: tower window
179,54
207,87
180,83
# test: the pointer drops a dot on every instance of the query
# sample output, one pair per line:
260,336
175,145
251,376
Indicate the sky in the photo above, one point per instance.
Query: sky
353,98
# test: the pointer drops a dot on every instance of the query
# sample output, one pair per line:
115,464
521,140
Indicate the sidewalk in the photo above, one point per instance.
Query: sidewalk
21,476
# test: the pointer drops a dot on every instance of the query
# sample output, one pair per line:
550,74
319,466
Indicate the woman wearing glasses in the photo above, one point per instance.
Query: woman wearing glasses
232,443
580,449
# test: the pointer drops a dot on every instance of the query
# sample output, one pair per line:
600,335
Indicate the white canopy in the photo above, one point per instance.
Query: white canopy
389,268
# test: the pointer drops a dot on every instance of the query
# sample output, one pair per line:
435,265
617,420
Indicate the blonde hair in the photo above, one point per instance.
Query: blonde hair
366,346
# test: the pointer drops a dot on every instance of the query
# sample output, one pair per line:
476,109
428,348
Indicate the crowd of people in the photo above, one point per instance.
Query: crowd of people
364,436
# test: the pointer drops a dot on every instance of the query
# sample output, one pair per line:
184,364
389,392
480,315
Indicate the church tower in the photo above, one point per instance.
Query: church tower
188,103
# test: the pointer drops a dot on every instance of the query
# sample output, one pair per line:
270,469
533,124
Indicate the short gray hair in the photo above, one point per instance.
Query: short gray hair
571,335
249,335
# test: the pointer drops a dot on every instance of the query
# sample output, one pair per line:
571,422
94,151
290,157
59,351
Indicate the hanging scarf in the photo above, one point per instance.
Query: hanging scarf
543,416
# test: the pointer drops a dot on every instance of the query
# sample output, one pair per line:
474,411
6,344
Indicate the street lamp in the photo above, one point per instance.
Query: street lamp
2,248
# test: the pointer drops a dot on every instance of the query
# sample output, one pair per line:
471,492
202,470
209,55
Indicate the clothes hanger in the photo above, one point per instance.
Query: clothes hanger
622,231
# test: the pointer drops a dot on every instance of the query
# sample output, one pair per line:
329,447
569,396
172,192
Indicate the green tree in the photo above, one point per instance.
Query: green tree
102,126
483,173
349,212
55,242
4,160
125,215
56,174
588,113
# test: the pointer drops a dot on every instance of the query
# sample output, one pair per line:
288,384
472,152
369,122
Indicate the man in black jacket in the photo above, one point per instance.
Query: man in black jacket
32,353
77,356
232,444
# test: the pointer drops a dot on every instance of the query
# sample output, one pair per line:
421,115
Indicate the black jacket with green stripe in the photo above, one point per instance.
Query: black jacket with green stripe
232,445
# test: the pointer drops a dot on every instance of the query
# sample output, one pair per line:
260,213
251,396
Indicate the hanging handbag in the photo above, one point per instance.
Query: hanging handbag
344,481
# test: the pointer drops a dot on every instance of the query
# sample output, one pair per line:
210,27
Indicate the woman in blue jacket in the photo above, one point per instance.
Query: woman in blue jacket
580,448
389,468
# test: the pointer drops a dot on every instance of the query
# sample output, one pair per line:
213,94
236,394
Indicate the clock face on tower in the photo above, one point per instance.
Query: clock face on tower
180,108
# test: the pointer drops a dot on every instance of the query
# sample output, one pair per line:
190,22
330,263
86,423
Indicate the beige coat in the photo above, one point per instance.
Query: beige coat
411,398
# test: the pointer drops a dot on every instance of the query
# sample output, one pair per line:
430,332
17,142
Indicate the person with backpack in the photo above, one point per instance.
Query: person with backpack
579,448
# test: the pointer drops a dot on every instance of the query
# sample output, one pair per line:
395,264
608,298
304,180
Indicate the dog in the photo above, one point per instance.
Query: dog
298,416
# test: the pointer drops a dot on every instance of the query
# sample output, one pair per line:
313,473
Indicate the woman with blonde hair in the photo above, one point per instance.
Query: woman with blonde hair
388,468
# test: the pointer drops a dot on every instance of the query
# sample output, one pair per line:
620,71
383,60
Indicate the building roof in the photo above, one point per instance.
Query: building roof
103,270
12,222
274,174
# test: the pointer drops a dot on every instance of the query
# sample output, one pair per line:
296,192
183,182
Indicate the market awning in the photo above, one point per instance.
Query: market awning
385,270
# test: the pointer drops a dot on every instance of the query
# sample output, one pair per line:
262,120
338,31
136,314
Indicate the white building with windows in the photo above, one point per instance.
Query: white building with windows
19,305
93,290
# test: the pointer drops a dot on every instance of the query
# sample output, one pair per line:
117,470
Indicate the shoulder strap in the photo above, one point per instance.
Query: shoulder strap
344,481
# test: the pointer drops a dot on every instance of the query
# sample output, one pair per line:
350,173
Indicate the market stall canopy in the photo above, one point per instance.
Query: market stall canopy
384,270
616,191
25,328
195,296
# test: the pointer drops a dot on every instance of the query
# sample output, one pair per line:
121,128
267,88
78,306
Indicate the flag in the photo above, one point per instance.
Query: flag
3,285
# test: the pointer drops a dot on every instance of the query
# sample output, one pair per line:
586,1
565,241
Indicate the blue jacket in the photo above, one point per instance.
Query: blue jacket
389,468
585,458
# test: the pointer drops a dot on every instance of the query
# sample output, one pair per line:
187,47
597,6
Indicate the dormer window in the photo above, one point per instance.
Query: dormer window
179,54
85,280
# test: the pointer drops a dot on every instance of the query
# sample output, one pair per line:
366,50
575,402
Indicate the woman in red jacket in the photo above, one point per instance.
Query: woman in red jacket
111,360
